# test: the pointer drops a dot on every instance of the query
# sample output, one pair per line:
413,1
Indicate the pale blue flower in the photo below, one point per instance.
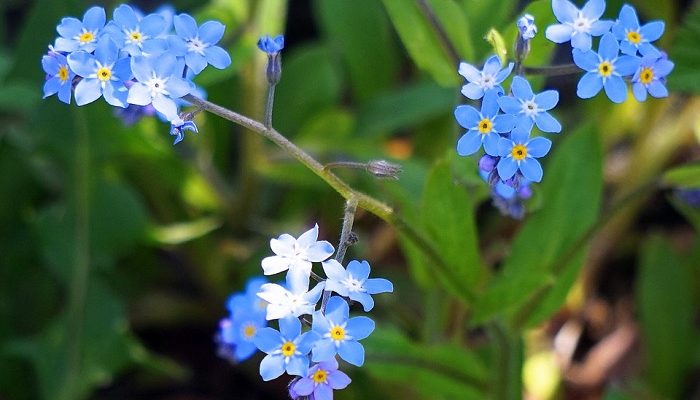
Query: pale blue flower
651,77
320,382
526,26
634,37
137,34
489,78
287,349
81,35
520,153
295,301
354,282
577,25
59,76
530,108
338,334
271,45
198,44
178,129
605,69
103,73
482,127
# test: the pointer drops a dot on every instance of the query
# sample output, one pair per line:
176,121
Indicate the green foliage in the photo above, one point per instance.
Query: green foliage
685,54
686,176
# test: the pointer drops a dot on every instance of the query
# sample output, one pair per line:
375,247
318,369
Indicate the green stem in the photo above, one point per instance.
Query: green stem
554,70
507,352
344,241
269,104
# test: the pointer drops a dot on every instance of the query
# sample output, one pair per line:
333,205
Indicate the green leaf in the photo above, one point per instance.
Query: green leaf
421,42
183,232
685,176
482,16
685,53
369,53
456,25
436,371
448,216
665,301
494,38
542,265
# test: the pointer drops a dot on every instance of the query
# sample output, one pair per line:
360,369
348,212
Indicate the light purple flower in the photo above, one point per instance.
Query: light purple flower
320,382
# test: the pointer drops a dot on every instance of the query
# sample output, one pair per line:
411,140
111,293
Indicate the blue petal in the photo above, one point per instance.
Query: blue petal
87,91
663,67
657,89
165,106
521,88
155,47
152,25
546,123
489,105
547,99
506,167
581,40
338,380
106,51
211,32
217,57
510,104
166,65
304,386
539,147
652,31
593,9
307,341
337,310
564,10
298,366
639,91
67,45
359,270
122,69
615,89
360,327
628,48
185,26
490,142
82,63
139,94
503,74
586,60
472,91
195,62
619,31
520,135
627,65
177,45
599,28
271,367
504,146
69,27
364,299
115,93
467,116
268,340
559,33
469,72
51,87
178,87
64,93
492,65
469,143
323,392
323,350
531,169
50,65
320,323
290,327
380,285
504,123
142,68
628,17
352,352
589,85
94,18
608,48
125,17
524,122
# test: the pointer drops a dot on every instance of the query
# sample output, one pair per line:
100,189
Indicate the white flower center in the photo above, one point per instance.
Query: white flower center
582,24
488,81
530,108
134,36
196,46
157,85
352,284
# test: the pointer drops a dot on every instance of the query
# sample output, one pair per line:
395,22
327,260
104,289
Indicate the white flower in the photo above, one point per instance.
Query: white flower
296,255
354,282
283,302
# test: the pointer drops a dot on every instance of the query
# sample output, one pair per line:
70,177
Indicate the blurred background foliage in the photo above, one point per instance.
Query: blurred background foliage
118,250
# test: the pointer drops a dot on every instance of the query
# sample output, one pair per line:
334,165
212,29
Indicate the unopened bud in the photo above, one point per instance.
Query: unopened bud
383,169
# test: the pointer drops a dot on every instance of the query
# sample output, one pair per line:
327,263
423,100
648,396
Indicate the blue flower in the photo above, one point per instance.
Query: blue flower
197,45
634,37
353,282
77,35
287,350
487,79
526,26
178,128
59,76
529,108
271,45
651,76
605,70
320,382
248,301
577,25
338,334
159,82
103,73
239,333
136,34
482,127
520,153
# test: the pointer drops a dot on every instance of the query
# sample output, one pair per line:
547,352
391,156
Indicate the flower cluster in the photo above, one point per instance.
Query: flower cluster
135,62
625,51
307,354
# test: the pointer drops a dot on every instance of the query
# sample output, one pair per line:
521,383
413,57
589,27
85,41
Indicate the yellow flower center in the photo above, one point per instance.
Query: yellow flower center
337,333
136,36
104,74
634,37
288,349
86,37
485,126
249,331
519,152
63,73
320,376
605,69
646,76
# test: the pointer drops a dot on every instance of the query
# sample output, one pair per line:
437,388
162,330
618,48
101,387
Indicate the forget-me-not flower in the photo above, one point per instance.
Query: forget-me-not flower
482,127
295,301
489,78
239,333
59,76
530,108
198,44
271,45
353,282
577,25
520,153
159,82
178,128
605,69
103,73
81,35
287,349
296,255
137,34
634,37
651,76
526,26
320,382
338,334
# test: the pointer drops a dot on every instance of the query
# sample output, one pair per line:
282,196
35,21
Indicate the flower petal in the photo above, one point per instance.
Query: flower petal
185,26
304,386
165,106
608,48
217,57
586,60
652,31
627,65
360,327
178,87
489,105
593,9
547,99
467,116
521,88
469,72
338,380
639,91
628,17
581,40
334,270
469,143
319,251
657,89
589,85
559,33
615,89
125,17
506,168
352,352
359,270
211,32
271,367
490,142
362,298
323,350
87,91
546,123
94,18
531,169
378,285
472,91
69,27
268,340
298,366
564,10
539,147
509,104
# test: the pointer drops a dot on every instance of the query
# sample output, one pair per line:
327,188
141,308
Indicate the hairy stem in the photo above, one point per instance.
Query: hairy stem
554,70
344,242
269,104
